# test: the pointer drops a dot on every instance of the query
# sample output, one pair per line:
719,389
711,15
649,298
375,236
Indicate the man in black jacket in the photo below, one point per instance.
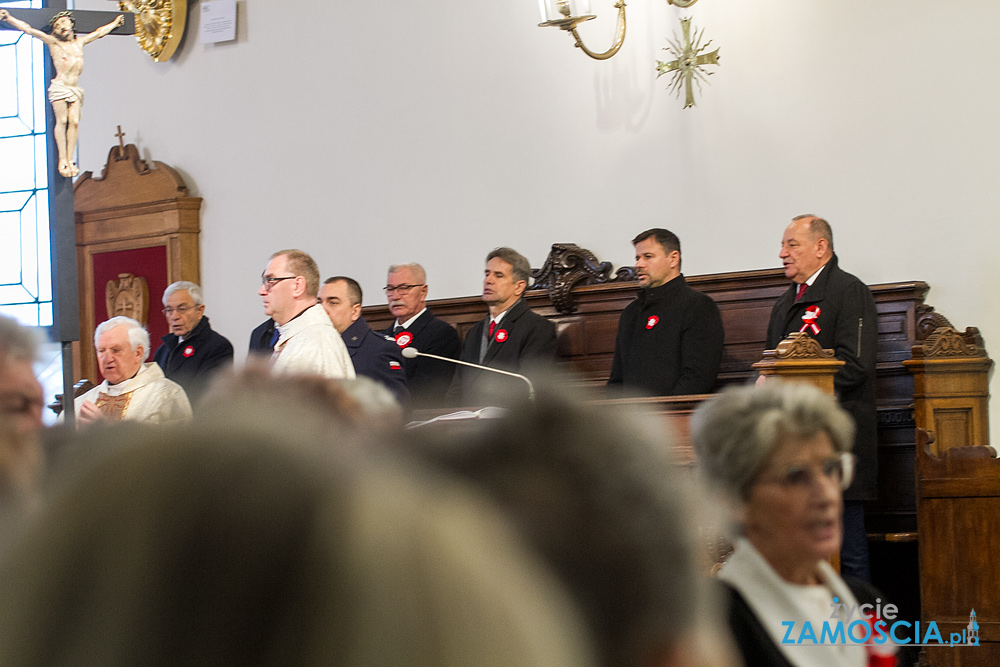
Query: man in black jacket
427,379
510,338
670,338
192,351
839,311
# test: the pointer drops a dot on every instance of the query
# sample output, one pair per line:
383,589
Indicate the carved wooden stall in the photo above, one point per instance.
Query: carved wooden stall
136,232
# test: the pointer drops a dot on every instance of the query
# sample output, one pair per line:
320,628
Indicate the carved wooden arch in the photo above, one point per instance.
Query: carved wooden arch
137,218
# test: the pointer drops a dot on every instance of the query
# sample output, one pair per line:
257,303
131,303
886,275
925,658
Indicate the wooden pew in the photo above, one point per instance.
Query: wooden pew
958,511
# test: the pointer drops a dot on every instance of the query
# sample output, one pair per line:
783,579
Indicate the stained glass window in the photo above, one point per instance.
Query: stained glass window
25,269
25,258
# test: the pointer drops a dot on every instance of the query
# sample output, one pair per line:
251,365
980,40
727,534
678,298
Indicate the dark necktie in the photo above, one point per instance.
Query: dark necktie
802,290
396,329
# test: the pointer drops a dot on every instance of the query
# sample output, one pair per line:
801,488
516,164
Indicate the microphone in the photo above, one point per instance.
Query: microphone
413,353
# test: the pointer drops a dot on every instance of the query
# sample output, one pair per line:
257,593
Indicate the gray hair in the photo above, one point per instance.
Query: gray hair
17,341
735,433
188,286
818,228
519,264
137,334
418,271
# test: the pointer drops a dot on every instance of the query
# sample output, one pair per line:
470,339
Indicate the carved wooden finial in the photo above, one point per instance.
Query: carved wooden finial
946,342
800,345
568,266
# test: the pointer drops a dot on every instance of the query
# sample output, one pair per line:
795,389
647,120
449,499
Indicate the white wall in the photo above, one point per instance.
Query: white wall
372,133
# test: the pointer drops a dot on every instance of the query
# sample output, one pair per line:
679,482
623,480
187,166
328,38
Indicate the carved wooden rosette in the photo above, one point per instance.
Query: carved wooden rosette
950,387
128,296
569,266
799,358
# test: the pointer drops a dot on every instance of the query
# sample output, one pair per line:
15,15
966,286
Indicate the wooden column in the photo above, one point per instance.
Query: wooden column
799,358
951,388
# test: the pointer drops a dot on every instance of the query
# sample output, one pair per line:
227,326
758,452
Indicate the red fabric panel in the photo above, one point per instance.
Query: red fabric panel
149,263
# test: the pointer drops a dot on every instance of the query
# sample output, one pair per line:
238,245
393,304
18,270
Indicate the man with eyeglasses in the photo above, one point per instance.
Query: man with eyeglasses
305,340
427,379
192,352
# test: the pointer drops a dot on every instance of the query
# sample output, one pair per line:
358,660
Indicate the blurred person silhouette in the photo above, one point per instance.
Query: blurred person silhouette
238,540
599,496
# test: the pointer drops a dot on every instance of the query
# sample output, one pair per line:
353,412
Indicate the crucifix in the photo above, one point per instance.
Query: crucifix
66,48
62,227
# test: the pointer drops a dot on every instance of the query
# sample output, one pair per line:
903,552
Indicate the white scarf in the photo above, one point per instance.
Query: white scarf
774,600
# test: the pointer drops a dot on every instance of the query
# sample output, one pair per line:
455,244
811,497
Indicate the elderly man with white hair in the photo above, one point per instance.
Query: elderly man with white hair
132,390
192,352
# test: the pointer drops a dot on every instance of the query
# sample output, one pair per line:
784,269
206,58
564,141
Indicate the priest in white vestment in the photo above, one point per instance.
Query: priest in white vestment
307,341
132,390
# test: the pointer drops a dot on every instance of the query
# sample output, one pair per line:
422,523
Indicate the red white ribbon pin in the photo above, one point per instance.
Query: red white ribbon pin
404,338
188,351
651,322
501,335
810,317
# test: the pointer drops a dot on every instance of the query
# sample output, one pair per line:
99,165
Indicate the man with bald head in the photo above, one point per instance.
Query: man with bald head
415,325
838,310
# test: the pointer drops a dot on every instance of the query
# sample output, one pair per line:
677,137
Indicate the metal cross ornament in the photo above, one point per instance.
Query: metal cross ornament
688,64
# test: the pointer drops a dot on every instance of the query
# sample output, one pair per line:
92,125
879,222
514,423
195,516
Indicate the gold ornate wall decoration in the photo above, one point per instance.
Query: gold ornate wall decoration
159,25
128,296
688,65
682,3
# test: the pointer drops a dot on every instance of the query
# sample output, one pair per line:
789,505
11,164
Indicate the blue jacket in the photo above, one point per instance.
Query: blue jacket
377,357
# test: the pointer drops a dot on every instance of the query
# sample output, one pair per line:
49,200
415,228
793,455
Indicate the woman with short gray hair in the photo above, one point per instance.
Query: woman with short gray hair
780,452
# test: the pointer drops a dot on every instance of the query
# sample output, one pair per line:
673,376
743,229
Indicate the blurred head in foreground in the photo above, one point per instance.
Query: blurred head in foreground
227,543
601,499
21,404
779,452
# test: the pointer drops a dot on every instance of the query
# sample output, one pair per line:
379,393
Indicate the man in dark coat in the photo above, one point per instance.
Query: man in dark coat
670,338
428,379
192,352
510,338
839,311
373,354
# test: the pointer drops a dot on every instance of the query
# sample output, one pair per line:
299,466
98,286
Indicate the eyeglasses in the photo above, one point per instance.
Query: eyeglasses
269,283
837,469
400,289
180,310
